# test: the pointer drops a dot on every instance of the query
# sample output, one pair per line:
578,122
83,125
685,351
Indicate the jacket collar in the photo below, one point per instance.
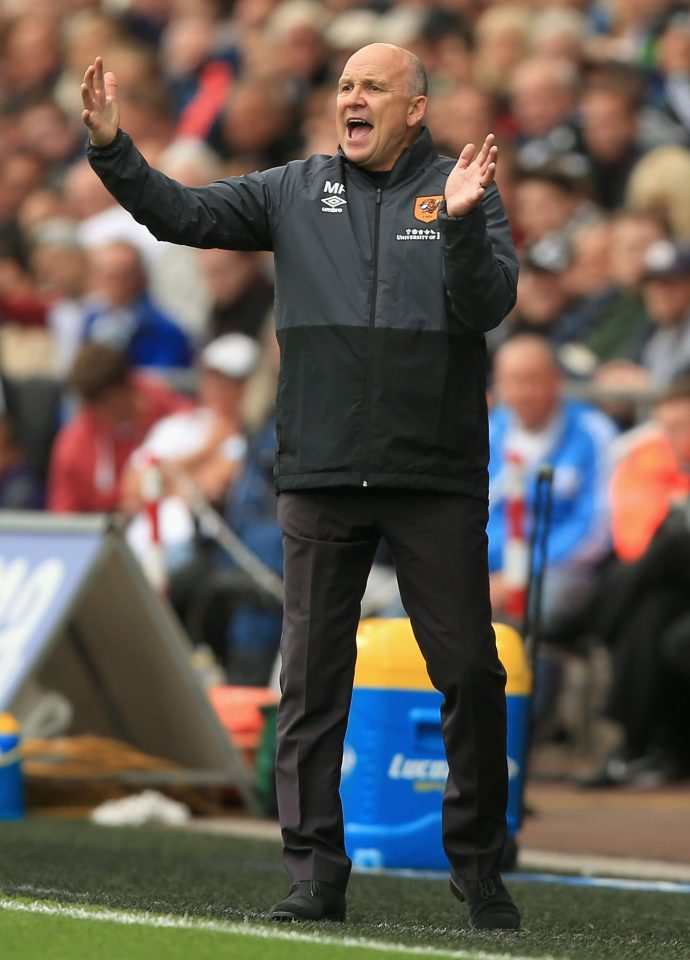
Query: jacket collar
420,154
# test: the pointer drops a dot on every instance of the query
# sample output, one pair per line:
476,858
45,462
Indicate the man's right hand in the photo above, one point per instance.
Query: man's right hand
101,112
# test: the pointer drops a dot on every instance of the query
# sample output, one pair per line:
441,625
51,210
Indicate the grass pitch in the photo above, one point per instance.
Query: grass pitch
166,894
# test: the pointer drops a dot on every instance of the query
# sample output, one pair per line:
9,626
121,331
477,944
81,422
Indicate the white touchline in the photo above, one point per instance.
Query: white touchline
134,918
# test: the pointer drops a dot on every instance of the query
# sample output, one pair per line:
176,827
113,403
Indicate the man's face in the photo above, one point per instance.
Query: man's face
528,383
377,117
115,408
667,300
674,418
220,394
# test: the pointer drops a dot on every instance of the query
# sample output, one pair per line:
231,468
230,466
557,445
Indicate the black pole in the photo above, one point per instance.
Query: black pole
538,557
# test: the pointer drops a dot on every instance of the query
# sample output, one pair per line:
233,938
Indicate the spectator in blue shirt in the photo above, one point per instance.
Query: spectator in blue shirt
533,422
122,314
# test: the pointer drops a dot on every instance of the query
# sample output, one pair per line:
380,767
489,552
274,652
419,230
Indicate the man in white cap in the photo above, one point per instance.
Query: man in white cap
206,444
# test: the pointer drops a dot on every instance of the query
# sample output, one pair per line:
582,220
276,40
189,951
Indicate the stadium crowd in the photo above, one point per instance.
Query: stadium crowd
115,346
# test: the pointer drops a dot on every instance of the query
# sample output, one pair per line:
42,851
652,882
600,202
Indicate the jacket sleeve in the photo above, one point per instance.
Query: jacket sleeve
234,214
480,266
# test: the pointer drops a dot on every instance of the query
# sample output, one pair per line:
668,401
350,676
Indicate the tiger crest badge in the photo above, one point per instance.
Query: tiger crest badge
426,208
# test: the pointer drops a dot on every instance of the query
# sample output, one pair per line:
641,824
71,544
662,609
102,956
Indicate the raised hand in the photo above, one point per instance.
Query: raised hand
471,175
101,112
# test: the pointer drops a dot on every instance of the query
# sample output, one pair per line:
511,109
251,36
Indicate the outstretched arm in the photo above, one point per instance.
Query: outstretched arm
101,112
232,213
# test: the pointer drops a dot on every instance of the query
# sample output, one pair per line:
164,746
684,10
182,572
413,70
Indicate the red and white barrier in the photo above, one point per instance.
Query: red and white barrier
152,487
516,547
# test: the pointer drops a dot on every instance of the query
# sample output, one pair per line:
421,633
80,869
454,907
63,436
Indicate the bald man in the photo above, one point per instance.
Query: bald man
391,262
533,422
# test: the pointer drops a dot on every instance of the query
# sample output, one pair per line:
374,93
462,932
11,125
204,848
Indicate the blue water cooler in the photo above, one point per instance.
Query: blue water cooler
394,766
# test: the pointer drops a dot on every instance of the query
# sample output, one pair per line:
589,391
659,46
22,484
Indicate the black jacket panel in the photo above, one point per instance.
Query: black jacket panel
381,303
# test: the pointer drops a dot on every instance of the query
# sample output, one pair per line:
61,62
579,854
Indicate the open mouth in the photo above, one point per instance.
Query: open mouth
358,129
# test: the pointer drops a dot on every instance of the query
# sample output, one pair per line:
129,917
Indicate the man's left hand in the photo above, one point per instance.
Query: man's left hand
470,177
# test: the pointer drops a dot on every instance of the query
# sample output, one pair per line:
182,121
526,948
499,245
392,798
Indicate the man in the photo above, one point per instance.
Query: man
391,262
641,607
535,424
207,444
543,99
118,408
666,295
122,313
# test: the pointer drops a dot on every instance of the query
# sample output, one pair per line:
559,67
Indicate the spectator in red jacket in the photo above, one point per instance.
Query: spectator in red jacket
118,407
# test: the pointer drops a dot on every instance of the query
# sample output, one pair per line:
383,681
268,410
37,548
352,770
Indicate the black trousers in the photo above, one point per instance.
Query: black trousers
439,545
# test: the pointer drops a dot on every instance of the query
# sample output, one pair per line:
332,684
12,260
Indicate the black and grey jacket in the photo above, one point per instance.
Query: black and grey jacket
381,305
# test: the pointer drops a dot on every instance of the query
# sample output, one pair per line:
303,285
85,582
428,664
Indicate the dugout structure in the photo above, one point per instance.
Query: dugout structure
80,624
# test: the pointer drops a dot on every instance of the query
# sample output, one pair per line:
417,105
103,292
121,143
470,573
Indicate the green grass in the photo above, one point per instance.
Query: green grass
231,879
28,936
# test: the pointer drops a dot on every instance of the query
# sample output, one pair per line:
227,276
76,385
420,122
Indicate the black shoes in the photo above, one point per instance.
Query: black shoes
310,900
491,906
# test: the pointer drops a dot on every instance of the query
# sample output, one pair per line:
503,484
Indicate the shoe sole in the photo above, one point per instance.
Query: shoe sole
284,916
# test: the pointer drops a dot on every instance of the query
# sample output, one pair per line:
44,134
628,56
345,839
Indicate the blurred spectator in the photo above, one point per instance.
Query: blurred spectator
622,325
588,285
178,284
31,58
218,603
532,422
543,97
253,632
560,32
660,184
549,202
463,115
666,293
118,408
628,30
120,311
100,219
641,609
82,32
609,126
297,46
541,295
445,45
20,303
502,35
52,136
240,292
652,476
143,97
258,126
59,268
205,445
669,89
199,79
19,487
20,174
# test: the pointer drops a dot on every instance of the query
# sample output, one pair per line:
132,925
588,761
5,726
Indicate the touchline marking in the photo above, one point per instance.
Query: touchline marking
608,883
134,918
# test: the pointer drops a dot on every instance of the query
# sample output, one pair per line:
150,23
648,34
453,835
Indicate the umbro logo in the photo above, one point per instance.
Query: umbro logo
334,202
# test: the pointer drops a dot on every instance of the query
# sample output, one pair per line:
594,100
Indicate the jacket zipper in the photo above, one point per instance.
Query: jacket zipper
372,323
